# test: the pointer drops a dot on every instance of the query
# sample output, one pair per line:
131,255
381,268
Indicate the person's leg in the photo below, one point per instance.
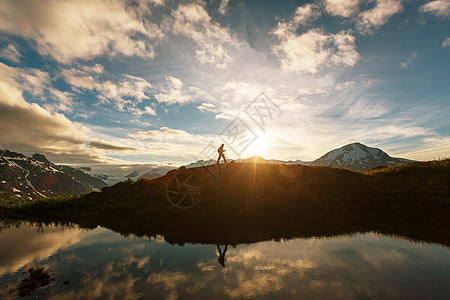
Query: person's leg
224,159
218,159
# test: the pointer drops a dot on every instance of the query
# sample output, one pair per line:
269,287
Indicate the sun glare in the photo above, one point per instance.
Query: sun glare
257,148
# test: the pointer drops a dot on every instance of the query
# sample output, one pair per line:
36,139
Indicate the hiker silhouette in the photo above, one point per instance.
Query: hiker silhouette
221,154
221,257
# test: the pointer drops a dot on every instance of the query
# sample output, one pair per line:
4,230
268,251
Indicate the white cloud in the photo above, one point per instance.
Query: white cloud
395,130
170,281
164,133
370,20
146,111
207,107
96,69
173,145
434,147
83,116
310,91
63,99
363,109
214,41
342,8
314,50
11,53
124,94
345,86
174,92
234,96
21,252
223,8
174,82
440,8
409,61
305,14
236,92
154,2
38,84
33,81
446,43
149,111
28,127
79,29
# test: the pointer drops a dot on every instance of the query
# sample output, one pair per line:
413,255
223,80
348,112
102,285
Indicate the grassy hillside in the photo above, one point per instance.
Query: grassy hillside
253,187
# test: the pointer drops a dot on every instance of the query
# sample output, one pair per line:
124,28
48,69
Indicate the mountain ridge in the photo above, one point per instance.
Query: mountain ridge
162,170
354,156
36,176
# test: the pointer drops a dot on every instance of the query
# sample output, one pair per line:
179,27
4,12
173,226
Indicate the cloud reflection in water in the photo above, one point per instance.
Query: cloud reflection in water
102,264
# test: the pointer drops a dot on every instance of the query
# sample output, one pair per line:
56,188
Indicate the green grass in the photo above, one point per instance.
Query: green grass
413,184
12,203
128,197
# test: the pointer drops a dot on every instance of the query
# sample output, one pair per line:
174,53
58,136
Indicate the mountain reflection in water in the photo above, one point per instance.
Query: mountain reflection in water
102,264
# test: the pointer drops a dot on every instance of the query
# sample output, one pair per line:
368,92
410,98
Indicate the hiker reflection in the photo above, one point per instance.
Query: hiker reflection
221,257
221,154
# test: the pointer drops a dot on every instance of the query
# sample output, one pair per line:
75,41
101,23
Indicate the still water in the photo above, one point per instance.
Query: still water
102,264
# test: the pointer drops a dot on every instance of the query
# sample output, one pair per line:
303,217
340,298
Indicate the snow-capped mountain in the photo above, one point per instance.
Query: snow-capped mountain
93,173
36,176
298,162
201,163
157,172
162,170
80,174
354,156
357,156
132,174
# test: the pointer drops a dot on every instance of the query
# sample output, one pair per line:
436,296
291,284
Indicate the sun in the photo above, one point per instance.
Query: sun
257,148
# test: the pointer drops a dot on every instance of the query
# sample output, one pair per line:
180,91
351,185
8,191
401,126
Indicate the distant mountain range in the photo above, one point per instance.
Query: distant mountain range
36,176
355,156
156,172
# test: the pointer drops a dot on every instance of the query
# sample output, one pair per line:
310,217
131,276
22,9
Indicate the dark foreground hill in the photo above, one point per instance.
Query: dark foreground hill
250,187
246,202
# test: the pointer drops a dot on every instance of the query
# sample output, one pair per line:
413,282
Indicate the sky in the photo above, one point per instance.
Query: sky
162,81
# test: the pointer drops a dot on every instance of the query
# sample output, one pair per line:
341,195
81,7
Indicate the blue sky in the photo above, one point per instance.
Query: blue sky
122,82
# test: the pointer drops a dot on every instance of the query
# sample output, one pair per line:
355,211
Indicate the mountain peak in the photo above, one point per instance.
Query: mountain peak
6,152
36,176
356,156
256,158
41,158
355,145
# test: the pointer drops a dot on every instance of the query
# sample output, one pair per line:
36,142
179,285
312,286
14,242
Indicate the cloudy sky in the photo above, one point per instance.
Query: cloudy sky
159,81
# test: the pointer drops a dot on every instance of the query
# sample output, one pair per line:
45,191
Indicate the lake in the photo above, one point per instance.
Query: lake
99,263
